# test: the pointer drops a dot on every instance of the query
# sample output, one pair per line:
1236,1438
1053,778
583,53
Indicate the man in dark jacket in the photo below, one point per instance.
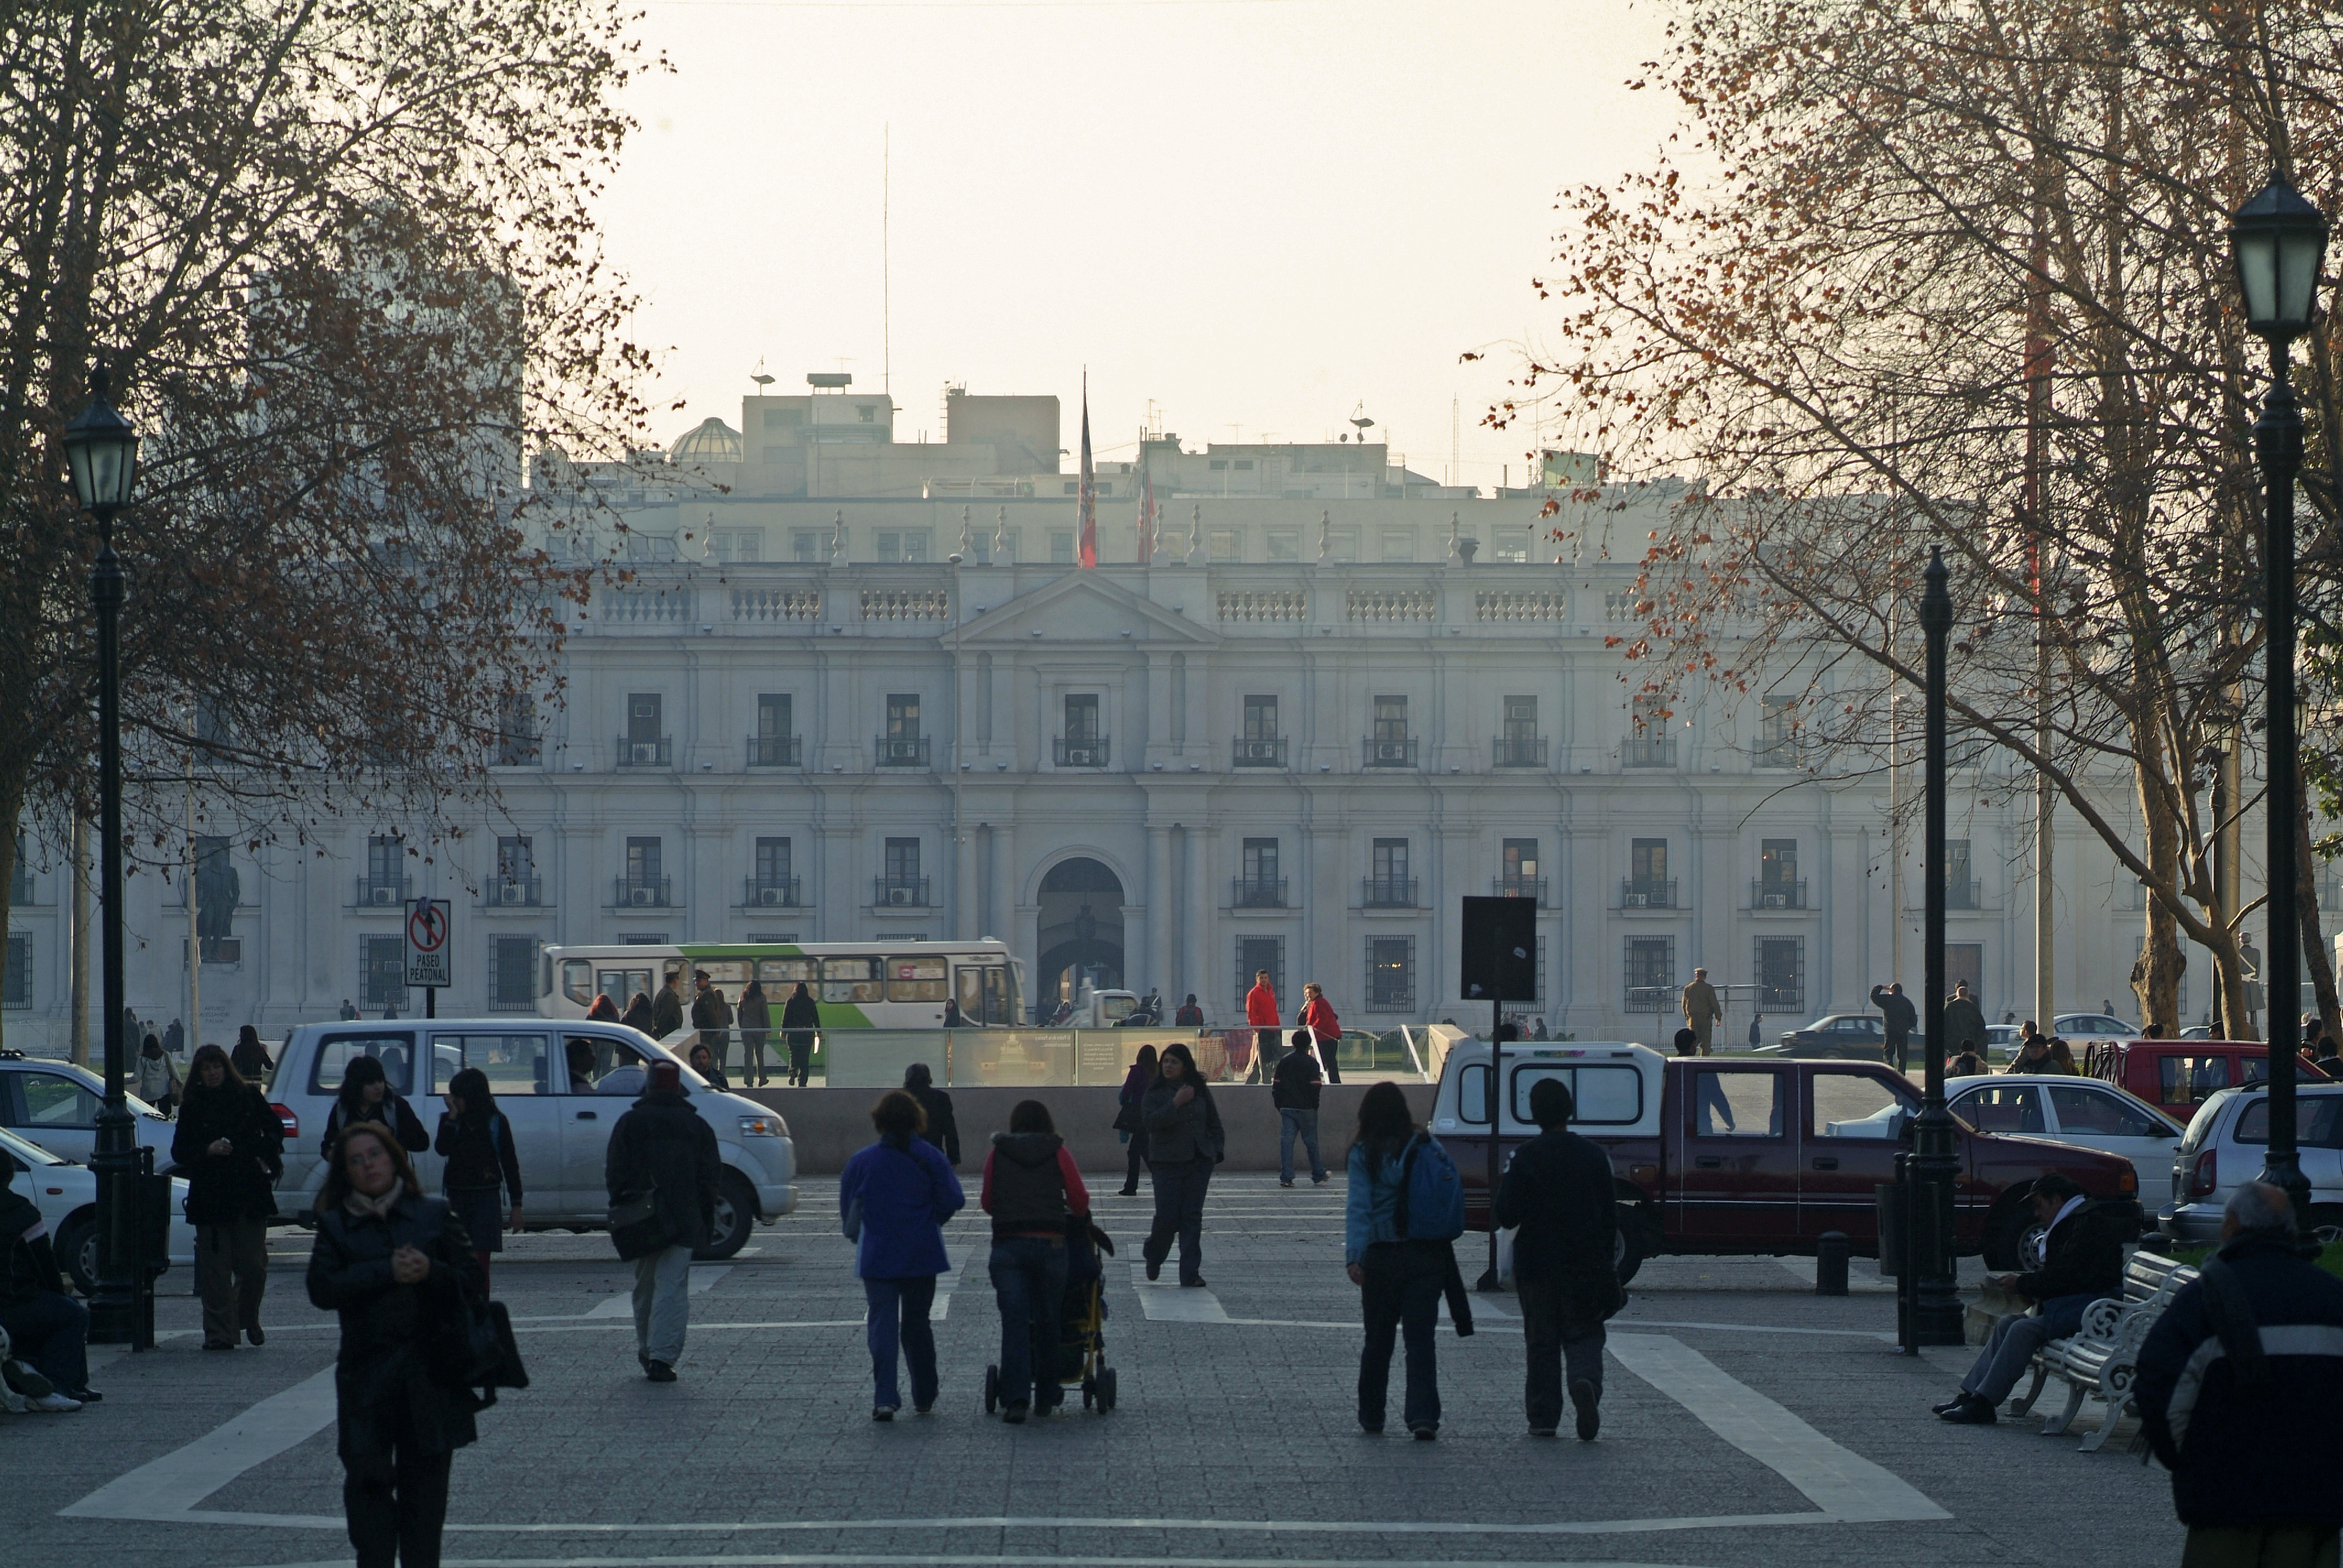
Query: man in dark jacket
1900,1018
1293,1088
2082,1260
711,1015
47,1327
664,1148
2241,1390
800,1019
1559,1191
666,1011
1964,1024
943,1128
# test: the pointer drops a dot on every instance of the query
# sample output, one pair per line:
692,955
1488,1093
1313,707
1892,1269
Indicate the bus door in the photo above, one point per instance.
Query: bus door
984,993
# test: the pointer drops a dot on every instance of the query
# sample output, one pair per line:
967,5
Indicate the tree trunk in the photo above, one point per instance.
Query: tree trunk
2155,975
77,1026
2317,961
12,804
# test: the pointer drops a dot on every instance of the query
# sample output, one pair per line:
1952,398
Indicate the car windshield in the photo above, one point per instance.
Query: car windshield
28,1154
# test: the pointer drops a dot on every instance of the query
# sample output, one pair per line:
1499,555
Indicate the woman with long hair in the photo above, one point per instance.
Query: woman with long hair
158,1081
391,1263
1126,1116
366,1095
251,1058
638,1015
481,1178
755,1017
892,1201
1184,1141
1032,1189
1400,1280
230,1147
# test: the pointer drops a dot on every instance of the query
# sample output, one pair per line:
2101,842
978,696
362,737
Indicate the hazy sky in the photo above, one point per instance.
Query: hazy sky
1257,213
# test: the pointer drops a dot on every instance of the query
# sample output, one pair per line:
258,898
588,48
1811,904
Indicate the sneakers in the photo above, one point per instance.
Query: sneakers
57,1403
882,1412
1590,1417
1016,1413
1424,1433
659,1372
1970,1412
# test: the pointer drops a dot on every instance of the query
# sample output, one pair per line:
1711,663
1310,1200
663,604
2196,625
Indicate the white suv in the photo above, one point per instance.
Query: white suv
562,1084
2225,1144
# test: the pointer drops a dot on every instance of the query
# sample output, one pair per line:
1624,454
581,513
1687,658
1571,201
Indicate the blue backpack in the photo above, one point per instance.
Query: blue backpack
1431,1194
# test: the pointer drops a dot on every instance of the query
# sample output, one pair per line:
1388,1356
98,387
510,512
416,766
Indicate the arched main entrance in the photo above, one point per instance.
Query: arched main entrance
1080,930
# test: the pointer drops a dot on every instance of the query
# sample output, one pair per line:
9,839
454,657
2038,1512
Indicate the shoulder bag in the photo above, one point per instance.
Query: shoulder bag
635,1227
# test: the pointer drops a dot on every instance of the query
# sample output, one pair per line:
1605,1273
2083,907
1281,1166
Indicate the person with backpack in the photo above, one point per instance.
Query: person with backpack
1184,1141
366,1095
893,1199
1033,1190
481,1179
1405,1207
1126,1116
1559,1191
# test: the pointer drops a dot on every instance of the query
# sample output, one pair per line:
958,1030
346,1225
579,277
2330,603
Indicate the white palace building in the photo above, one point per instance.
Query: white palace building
1333,699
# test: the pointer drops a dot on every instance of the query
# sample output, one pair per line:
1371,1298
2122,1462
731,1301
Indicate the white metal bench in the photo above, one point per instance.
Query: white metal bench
2100,1359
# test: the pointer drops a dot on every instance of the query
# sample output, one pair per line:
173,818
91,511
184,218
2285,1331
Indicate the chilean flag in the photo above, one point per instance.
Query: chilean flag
1089,497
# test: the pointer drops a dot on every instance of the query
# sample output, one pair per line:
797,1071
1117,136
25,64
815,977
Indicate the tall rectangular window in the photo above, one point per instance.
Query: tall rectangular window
1224,547
20,876
1778,887
1391,859
382,973
516,859
1648,861
643,709
773,715
512,975
807,544
1260,860
1391,719
642,859
1651,974
1778,732
1521,859
1391,974
1255,954
1960,878
516,742
18,991
1260,719
1511,544
902,861
1390,887
1342,544
1521,718
386,858
1082,717
1061,547
1780,974
902,716
772,862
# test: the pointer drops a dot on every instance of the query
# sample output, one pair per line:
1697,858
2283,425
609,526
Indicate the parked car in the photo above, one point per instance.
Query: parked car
1743,1155
562,1084
1860,1036
2225,1144
2081,1028
55,1104
67,1195
2083,1111
2176,1076
2001,1041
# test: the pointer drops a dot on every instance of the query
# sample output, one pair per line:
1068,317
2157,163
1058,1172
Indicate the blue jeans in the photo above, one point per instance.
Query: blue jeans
1401,1296
903,1303
2010,1347
662,1304
1290,1121
51,1332
1029,1280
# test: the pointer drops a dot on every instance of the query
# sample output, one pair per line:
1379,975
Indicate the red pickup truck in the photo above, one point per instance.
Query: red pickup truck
1751,1156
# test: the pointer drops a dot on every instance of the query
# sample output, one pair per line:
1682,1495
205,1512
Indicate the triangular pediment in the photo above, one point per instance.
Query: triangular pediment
1081,607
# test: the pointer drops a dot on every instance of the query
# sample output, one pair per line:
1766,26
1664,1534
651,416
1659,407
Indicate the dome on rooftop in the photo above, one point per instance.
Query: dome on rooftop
710,441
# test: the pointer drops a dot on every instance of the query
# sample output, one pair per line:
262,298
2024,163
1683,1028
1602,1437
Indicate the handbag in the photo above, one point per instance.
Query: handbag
475,1348
635,1227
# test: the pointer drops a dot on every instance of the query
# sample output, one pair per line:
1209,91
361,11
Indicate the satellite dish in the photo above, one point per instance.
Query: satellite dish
761,379
1360,421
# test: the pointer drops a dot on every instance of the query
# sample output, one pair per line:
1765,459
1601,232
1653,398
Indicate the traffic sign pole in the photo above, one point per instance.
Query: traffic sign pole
428,923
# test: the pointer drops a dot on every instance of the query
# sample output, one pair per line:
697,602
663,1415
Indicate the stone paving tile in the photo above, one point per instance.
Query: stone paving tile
1220,1427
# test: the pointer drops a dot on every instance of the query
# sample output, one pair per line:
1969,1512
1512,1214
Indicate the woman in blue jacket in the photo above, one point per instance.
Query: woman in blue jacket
892,1201
1400,1281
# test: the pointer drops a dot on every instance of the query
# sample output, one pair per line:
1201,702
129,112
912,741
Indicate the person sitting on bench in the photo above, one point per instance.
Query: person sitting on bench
2082,1261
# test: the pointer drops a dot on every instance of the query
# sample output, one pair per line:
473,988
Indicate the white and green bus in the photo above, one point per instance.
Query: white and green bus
859,985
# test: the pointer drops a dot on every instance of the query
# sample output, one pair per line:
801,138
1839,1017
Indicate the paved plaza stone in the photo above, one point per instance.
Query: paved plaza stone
1746,1420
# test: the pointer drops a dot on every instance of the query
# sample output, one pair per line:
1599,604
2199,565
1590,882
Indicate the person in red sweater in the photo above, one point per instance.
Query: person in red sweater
1325,1029
1260,1011
1031,1189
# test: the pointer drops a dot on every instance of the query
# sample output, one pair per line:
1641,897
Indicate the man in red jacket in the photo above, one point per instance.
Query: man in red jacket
1261,1012
1325,1029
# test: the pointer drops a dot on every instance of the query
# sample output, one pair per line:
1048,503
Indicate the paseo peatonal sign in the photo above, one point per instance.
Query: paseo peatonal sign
428,927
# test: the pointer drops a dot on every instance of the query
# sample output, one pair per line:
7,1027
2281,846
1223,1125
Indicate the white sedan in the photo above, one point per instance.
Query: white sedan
2084,1112
66,1196
2079,1028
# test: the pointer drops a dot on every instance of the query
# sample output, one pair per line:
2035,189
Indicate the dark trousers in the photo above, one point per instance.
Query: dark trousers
2010,1348
1556,1336
1326,1058
231,1273
1268,1048
1138,1160
1899,1050
52,1332
1401,1295
1179,1211
396,1498
752,1057
1029,1280
897,1316
800,1057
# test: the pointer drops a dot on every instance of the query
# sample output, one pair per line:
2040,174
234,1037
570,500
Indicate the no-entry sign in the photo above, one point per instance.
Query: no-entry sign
428,925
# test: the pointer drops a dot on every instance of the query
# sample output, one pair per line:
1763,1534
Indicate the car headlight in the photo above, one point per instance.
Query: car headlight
762,1127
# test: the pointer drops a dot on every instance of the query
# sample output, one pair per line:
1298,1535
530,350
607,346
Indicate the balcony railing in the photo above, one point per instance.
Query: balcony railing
513,893
900,892
1771,895
1648,894
1390,893
642,893
1268,753
1517,751
659,753
1081,750
1532,887
380,892
775,751
1387,753
771,893
900,750
1963,894
1647,753
1258,893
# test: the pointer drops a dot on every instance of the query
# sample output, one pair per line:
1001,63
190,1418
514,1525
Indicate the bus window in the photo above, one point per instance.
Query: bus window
576,975
985,994
854,979
726,972
915,980
621,986
789,971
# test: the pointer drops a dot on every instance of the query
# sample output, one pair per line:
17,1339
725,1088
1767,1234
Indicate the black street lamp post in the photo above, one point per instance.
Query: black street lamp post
2278,241
1934,1315
102,449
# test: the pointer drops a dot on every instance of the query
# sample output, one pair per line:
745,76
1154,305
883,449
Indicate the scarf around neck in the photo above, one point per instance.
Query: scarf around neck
358,1206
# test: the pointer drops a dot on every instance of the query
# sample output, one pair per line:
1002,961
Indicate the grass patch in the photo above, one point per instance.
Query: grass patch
2330,1259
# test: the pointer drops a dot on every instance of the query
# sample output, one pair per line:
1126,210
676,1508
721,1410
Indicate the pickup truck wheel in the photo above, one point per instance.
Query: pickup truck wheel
76,1247
1627,1251
736,1215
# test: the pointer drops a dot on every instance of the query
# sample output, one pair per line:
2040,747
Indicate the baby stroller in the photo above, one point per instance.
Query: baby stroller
1082,1323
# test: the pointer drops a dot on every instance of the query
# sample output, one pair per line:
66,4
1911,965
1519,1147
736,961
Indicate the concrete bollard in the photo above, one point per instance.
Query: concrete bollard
1831,1252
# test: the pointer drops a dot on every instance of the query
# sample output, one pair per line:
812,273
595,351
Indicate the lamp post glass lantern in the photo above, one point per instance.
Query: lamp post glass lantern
101,456
2279,242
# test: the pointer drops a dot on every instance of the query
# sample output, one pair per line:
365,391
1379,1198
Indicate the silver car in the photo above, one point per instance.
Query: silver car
562,1084
2084,1112
55,1104
2225,1144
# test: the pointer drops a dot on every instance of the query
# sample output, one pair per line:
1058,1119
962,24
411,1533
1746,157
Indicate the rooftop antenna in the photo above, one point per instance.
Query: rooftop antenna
1455,438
